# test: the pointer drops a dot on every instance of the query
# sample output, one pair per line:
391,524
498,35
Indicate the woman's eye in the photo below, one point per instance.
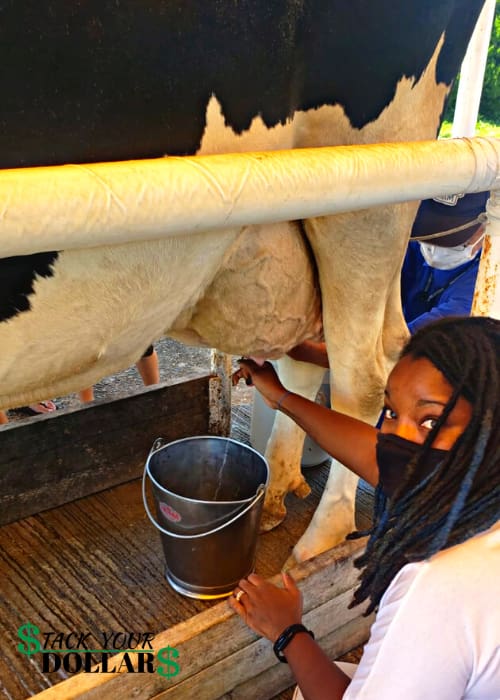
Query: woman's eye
428,423
388,413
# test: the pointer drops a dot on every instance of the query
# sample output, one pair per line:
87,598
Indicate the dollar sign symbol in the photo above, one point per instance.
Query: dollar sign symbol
25,632
165,656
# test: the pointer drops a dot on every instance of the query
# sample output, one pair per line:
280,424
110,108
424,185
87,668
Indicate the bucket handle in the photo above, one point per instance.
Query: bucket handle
260,493
157,445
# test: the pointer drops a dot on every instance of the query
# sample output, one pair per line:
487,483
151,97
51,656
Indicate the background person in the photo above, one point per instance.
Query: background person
439,274
34,409
432,563
147,366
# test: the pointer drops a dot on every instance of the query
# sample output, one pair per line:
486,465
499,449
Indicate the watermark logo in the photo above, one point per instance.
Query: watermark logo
76,652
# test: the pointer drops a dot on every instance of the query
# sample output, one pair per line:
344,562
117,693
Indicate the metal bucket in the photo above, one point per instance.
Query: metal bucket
208,495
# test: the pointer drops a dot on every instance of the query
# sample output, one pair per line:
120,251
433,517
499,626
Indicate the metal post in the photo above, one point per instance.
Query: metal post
487,293
472,75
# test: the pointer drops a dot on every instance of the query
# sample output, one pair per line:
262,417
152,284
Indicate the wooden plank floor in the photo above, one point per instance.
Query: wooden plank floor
96,565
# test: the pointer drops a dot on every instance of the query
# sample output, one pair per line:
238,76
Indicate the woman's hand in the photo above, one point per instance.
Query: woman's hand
263,377
267,609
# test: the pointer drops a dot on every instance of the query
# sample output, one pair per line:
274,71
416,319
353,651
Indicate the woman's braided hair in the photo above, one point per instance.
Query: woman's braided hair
462,497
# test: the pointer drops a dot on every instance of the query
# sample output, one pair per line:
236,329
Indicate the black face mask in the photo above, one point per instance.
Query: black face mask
394,453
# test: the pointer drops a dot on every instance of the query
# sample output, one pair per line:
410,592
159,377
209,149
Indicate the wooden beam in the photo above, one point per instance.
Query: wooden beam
278,677
220,393
50,460
220,657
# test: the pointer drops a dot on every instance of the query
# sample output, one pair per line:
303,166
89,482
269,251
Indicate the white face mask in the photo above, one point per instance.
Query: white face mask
448,258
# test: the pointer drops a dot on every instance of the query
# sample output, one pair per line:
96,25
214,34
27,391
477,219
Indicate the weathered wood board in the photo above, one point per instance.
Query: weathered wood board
96,564
51,460
219,656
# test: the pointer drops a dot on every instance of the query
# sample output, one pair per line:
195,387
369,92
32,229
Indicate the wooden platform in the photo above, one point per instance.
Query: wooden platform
96,565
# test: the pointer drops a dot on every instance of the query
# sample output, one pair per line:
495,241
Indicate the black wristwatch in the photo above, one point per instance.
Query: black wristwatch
285,638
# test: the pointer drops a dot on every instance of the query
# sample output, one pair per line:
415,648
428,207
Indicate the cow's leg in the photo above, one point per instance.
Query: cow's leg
286,442
359,268
334,517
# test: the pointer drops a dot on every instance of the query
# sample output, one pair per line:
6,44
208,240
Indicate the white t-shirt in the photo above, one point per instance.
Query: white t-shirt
437,632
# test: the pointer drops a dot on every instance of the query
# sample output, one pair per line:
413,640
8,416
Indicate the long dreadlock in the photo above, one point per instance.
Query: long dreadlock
462,496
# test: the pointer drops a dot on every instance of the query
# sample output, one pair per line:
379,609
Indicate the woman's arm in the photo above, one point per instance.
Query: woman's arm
269,610
317,676
312,352
349,440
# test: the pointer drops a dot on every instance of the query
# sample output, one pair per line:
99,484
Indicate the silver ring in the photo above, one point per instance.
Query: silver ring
238,595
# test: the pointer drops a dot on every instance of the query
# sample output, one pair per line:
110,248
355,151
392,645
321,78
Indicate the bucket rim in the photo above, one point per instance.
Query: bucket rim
207,437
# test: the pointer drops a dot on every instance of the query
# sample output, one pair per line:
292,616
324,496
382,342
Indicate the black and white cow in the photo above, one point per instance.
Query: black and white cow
114,80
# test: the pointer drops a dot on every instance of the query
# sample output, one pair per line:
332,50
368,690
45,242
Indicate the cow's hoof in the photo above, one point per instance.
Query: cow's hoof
270,520
310,545
303,490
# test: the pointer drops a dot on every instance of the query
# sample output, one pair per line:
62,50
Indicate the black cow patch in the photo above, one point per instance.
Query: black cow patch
107,80
103,80
17,275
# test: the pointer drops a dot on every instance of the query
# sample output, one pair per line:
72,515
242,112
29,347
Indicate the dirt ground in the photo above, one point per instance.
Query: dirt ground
176,362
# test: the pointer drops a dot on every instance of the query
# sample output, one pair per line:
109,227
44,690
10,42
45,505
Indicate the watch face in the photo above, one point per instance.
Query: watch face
286,637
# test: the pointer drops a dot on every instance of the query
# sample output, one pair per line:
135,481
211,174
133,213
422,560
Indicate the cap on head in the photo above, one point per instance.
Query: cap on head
433,217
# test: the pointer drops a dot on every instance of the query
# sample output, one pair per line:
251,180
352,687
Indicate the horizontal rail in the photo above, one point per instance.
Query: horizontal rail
80,206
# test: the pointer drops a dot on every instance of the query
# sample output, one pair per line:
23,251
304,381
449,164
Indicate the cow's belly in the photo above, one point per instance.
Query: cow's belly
102,307
100,310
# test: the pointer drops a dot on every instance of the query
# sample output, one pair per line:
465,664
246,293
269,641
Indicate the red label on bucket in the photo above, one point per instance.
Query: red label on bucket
170,513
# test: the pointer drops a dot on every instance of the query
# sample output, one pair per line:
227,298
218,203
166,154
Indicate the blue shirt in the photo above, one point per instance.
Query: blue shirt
428,294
